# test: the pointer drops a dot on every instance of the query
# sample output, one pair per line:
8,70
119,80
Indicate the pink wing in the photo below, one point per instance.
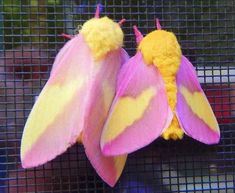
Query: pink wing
193,109
139,112
103,90
57,117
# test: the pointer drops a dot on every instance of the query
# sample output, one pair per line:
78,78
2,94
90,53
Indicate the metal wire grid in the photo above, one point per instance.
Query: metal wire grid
29,42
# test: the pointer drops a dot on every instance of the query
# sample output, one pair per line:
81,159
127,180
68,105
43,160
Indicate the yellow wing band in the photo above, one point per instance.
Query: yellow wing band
128,110
52,99
200,107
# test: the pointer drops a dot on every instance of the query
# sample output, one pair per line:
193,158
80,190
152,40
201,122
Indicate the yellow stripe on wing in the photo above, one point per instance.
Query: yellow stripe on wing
126,111
201,107
51,102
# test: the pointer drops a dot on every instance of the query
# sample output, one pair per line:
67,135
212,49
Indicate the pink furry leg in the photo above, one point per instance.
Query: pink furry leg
67,36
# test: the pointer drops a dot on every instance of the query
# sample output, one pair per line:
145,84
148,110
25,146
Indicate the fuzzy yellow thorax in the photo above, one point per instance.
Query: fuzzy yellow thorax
102,35
162,49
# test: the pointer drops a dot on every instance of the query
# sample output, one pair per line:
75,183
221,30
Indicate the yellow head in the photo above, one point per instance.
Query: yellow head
160,45
102,36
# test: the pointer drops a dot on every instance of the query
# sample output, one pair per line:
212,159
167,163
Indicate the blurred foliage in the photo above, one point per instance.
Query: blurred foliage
14,23
22,21
205,29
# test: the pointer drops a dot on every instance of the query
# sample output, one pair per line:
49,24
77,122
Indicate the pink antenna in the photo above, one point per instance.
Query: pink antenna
121,21
158,25
97,12
138,34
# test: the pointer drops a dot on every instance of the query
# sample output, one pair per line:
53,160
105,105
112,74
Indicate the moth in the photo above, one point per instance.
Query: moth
74,103
158,95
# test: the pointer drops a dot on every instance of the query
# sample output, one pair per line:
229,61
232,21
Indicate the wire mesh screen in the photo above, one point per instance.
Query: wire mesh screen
29,41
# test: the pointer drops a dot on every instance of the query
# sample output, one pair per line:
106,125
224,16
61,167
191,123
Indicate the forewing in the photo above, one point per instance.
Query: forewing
139,112
193,109
56,119
103,90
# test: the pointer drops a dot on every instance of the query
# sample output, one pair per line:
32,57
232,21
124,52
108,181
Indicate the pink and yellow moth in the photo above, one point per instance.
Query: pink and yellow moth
75,101
158,94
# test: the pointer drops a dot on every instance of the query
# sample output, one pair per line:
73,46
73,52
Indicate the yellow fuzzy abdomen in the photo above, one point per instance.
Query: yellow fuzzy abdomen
161,49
